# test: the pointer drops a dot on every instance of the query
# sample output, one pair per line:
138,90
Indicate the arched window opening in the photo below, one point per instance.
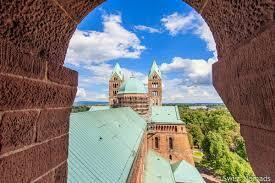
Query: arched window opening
170,143
170,157
156,142
176,128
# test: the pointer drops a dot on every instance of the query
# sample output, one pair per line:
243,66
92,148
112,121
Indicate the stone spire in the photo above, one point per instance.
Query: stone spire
117,70
154,69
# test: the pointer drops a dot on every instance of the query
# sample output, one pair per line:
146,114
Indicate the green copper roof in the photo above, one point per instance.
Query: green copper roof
154,69
117,70
132,85
157,169
185,172
165,114
103,144
99,107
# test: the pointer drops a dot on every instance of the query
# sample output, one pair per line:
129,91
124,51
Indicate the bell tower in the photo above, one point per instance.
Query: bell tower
155,85
115,81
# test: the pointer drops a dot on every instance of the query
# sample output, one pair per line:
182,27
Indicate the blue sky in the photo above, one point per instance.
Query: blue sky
134,33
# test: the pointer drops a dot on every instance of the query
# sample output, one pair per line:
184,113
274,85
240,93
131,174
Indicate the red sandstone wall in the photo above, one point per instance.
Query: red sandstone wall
138,166
244,32
36,91
181,147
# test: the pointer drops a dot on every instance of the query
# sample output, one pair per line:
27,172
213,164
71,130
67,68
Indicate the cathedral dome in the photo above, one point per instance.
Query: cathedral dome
132,85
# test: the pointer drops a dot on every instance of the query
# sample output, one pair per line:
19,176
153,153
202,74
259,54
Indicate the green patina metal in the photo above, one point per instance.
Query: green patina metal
185,172
157,169
165,114
103,144
132,85
117,71
154,69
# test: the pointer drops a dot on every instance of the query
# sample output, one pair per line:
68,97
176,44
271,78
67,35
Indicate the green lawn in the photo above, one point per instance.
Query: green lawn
197,155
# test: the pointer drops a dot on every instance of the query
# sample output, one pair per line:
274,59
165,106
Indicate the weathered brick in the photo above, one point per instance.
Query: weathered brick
32,163
78,9
196,4
48,178
260,148
244,82
57,175
38,27
17,129
17,93
61,173
52,123
62,75
12,61
235,22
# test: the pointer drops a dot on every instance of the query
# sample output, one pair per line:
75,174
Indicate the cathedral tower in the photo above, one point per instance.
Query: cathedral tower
155,85
114,84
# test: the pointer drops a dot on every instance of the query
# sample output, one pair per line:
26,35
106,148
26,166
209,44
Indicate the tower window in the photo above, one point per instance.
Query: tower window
170,157
155,93
154,85
170,143
156,142
115,78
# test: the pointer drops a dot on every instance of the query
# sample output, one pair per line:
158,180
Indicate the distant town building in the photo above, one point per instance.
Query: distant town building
134,139
194,107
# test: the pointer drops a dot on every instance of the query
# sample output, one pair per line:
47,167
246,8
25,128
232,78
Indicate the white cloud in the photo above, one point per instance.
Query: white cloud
178,23
94,96
87,47
205,34
194,72
81,92
147,29
182,93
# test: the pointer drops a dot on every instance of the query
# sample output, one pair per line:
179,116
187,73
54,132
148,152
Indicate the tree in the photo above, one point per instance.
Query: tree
196,133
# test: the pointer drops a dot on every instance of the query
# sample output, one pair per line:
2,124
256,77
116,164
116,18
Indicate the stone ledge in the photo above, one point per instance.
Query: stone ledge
19,93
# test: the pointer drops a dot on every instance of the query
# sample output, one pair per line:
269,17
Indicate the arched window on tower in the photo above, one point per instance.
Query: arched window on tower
170,157
170,143
156,142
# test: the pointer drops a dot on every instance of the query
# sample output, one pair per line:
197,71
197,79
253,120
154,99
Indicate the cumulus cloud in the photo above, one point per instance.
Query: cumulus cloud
194,72
177,23
81,92
114,42
147,29
189,94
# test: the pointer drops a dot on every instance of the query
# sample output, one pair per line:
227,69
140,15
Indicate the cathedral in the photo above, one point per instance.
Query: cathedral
134,139
166,133
133,93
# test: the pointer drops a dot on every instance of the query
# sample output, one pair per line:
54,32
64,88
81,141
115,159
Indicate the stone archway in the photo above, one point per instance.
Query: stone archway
36,91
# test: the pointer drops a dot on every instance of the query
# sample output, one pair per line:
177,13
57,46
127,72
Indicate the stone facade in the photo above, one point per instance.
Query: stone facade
138,102
114,84
155,90
170,141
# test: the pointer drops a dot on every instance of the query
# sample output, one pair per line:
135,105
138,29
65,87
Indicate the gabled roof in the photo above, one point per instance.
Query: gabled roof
103,144
185,172
157,169
117,71
154,69
132,85
165,114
